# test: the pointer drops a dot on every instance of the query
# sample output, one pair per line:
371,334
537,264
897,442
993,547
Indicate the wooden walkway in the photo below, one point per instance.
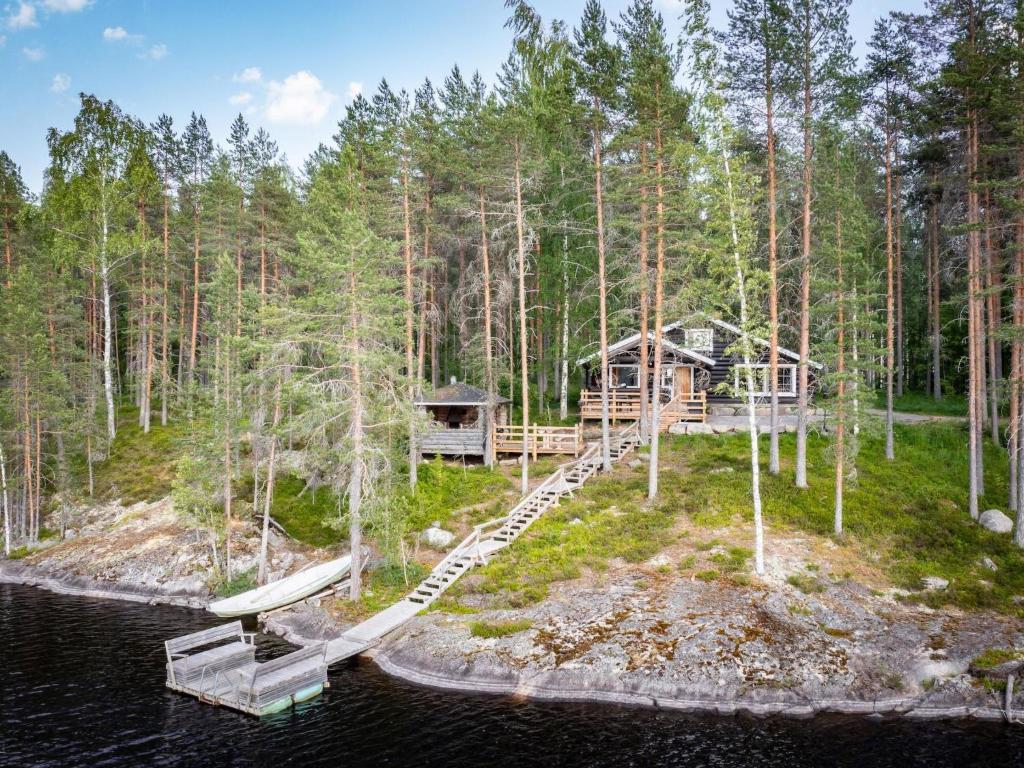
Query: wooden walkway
218,665
485,540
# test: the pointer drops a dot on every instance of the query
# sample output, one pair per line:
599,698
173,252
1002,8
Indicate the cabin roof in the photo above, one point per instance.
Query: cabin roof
634,338
458,393
629,341
763,342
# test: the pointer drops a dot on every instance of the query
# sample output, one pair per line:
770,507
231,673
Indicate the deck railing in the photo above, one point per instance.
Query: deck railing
624,405
508,438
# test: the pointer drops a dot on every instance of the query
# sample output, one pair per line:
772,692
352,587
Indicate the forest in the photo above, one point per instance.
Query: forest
498,227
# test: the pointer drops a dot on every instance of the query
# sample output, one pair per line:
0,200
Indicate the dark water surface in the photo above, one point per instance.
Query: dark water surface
81,684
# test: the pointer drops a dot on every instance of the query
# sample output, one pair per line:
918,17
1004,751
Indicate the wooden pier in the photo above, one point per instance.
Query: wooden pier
218,665
225,671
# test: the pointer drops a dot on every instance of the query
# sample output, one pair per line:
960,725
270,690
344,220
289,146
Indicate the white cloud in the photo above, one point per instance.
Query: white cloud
239,99
3,40
301,99
156,52
23,18
248,75
115,34
354,89
61,83
67,6
34,54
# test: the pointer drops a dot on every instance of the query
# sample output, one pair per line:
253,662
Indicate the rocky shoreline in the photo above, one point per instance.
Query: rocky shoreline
639,635
727,652
81,586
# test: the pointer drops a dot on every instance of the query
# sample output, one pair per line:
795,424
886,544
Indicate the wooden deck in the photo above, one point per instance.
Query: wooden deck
508,438
624,405
227,674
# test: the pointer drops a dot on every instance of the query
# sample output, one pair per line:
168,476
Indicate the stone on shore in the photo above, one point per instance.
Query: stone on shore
996,521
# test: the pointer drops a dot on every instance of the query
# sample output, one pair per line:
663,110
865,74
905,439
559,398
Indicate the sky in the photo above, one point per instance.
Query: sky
290,67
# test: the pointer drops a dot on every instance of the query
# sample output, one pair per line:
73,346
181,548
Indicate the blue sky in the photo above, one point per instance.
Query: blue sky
288,66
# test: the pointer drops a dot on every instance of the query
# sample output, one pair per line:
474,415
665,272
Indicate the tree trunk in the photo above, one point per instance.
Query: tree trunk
890,319
774,466
164,367
6,507
410,311
268,495
993,305
606,450
659,296
973,247
755,447
934,290
108,323
523,359
563,378
227,461
355,485
840,366
644,300
805,272
898,245
195,325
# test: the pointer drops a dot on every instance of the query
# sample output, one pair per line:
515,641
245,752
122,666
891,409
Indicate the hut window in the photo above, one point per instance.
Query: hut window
624,376
762,378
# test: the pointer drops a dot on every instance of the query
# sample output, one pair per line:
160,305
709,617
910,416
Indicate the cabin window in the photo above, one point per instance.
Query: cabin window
762,378
624,376
699,339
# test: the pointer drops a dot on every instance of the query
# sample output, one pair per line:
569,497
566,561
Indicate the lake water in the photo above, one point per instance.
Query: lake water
81,684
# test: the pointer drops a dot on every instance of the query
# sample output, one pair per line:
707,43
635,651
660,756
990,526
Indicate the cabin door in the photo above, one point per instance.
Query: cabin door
682,381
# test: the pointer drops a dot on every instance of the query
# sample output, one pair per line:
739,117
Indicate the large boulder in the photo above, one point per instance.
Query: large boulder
996,521
437,537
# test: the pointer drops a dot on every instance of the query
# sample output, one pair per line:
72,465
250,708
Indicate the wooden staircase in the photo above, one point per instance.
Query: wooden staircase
485,540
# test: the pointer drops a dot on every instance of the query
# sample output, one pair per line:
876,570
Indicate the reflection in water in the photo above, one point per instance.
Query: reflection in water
81,684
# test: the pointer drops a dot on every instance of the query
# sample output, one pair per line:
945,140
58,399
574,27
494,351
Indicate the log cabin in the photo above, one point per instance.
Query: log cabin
461,421
701,370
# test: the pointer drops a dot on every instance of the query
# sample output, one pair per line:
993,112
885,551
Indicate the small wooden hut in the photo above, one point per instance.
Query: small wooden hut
461,419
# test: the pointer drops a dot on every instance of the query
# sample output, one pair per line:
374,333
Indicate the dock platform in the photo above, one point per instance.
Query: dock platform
218,666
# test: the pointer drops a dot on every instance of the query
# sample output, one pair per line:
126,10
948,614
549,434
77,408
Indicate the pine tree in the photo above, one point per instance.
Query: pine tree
597,77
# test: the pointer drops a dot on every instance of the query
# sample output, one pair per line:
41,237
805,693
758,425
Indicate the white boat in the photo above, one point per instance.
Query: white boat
286,591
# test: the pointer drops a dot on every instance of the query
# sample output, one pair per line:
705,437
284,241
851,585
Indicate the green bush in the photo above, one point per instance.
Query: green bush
499,629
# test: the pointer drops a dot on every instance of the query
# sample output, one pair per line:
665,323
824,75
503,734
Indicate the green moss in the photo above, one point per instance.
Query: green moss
140,466
305,516
442,489
993,657
806,584
709,575
732,560
499,629
19,552
615,522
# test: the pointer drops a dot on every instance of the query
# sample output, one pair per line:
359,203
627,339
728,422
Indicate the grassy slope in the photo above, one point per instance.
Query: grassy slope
907,517
918,402
140,466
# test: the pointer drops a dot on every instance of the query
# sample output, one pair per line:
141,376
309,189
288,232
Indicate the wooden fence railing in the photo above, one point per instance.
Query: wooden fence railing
625,406
508,438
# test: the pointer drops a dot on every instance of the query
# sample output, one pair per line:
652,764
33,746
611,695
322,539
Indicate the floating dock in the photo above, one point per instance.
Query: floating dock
226,673
218,666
